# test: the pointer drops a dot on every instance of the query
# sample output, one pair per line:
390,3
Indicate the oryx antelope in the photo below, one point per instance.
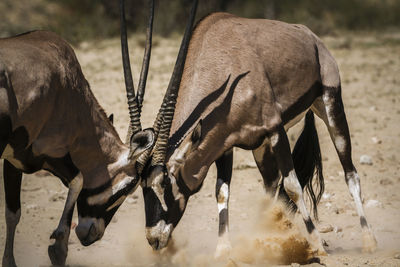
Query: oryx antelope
244,82
50,119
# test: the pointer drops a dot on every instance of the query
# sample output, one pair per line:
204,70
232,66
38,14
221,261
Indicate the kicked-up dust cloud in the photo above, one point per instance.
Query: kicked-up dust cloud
274,239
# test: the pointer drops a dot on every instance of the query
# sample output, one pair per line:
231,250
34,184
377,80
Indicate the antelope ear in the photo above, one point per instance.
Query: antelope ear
140,142
196,134
111,118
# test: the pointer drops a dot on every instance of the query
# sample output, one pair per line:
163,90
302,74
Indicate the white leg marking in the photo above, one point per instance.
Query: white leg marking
369,240
223,246
293,189
340,143
274,139
353,181
223,197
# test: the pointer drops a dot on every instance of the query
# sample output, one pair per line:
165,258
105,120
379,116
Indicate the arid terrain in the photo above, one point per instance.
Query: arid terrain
370,69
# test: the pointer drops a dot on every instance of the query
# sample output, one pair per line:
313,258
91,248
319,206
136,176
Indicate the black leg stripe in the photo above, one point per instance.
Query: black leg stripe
223,221
309,225
363,222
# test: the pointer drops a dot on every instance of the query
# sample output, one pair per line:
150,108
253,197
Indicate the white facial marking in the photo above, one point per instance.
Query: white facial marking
117,203
161,231
121,162
122,184
223,197
178,196
103,197
159,191
8,154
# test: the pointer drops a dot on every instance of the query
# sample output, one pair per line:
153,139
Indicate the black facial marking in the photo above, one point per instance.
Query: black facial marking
309,225
153,208
223,221
100,211
363,222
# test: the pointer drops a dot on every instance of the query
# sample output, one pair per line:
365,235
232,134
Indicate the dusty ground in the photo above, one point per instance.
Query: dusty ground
370,69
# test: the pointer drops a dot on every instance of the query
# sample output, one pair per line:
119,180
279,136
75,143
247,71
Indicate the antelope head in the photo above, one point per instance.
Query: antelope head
164,200
96,207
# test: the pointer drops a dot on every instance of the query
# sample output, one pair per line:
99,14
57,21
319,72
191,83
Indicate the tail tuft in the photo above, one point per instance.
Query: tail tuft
307,162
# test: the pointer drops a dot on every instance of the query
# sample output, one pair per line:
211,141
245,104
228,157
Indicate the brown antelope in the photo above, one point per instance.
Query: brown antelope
244,82
50,119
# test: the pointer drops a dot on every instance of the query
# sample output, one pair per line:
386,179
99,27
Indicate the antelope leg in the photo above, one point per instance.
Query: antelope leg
59,250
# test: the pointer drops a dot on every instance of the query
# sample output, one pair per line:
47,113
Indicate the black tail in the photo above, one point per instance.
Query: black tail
307,161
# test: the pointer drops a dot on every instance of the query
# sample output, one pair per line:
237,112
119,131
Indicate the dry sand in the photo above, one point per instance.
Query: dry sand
370,70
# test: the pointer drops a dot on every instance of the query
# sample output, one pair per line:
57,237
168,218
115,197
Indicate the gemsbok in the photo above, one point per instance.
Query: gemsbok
243,84
50,119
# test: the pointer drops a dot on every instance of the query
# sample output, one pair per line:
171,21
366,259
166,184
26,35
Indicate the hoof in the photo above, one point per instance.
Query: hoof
8,262
58,254
320,251
57,234
369,243
222,251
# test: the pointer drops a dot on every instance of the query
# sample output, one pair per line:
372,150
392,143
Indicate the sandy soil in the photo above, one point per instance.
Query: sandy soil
370,67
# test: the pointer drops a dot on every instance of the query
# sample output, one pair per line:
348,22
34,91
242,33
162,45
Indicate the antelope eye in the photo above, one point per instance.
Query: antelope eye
166,181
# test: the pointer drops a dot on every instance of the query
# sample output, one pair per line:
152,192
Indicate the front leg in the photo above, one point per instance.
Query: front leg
224,175
281,148
59,250
12,189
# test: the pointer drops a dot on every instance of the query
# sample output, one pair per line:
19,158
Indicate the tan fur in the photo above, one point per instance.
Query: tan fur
284,63
50,94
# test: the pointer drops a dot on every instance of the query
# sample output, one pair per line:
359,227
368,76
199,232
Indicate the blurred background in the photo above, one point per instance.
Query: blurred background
79,20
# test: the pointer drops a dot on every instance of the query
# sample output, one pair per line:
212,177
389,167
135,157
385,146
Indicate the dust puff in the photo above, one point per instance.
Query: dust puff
274,240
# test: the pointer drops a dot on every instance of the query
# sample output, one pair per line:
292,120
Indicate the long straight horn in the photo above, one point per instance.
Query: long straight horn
169,102
146,58
134,114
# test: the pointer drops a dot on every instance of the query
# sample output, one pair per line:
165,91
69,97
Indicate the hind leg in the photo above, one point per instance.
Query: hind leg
330,109
268,168
224,175
12,189
281,150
